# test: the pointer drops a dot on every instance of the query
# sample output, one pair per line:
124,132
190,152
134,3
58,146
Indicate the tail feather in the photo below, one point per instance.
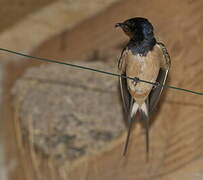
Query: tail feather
133,110
144,115
128,137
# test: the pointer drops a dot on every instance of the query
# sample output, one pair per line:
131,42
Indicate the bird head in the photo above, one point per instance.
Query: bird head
137,28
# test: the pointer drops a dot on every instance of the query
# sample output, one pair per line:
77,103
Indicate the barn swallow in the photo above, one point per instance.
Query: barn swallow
142,58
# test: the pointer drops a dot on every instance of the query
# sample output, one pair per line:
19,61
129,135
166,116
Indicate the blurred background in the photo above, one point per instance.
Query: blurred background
16,30
38,100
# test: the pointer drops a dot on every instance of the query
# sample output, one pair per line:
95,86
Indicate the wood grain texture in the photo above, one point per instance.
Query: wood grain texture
176,143
177,129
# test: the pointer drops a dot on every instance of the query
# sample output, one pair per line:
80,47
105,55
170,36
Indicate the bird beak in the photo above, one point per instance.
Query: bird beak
119,25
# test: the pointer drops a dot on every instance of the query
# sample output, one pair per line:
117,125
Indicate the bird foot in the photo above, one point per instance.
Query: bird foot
156,84
135,81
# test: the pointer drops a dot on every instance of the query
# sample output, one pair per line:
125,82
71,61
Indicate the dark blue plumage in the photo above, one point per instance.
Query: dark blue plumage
141,34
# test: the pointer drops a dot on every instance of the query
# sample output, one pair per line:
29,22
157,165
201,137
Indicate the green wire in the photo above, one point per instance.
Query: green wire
99,71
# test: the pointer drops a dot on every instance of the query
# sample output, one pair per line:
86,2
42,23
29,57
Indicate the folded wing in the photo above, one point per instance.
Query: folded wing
155,94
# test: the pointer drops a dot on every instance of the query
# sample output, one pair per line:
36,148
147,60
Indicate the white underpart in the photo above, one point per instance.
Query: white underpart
134,109
144,108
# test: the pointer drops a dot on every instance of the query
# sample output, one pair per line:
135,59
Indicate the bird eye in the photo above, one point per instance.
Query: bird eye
126,28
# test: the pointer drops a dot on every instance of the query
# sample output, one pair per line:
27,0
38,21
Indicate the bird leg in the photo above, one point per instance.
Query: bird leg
155,85
135,80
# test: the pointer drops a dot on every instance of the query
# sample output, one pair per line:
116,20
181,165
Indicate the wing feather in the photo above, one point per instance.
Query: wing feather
155,94
125,94
126,97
